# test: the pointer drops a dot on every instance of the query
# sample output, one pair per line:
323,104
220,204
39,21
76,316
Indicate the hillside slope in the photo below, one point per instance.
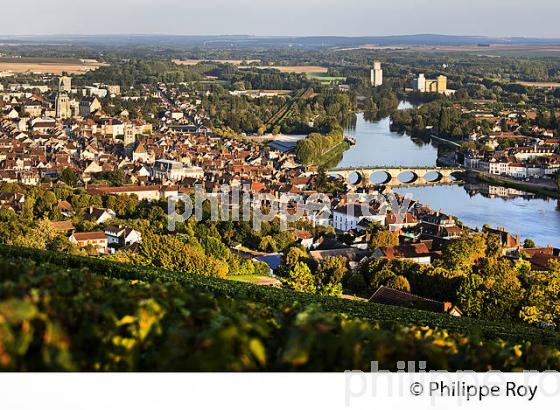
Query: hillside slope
75,313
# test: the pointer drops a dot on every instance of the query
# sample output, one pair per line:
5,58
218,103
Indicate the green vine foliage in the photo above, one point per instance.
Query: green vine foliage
68,313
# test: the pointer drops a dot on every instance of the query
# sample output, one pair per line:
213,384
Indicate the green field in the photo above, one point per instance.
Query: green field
252,279
325,78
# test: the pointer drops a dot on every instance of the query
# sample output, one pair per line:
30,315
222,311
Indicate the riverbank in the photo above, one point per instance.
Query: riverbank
333,154
536,188
446,141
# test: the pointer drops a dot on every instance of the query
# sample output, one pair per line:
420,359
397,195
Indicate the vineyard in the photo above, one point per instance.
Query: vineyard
62,312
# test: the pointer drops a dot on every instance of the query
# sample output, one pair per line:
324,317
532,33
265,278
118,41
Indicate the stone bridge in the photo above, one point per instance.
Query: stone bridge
421,176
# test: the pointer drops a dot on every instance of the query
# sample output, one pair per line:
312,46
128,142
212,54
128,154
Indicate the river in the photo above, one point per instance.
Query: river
475,205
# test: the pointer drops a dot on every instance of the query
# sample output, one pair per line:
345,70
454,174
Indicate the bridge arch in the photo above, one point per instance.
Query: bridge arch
433,177
355,178
380,177
408,177
456,174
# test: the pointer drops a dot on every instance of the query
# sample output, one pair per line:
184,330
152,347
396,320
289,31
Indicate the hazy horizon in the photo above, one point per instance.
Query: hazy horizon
290,18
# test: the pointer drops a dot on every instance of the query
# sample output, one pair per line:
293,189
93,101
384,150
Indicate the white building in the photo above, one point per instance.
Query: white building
347,217
317,214
376,74
420,83
175,170
122,236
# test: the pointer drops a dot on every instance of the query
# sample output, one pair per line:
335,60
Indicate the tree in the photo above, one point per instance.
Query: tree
39,236
300,279
7,215
457,133
554,123
330,273
268,244
399,283
283,240
493,246
529,243
384,238
444,126
69,176
171,253
492,292
461,254
377,272
215,248
541,120
295,255
115,178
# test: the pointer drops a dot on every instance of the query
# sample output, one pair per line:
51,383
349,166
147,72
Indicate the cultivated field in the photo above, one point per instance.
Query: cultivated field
195,62
48,65
298,69
325,78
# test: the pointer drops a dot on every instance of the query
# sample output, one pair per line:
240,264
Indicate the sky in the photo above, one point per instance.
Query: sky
498,18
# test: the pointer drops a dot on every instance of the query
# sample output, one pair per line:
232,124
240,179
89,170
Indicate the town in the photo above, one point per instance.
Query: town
91,163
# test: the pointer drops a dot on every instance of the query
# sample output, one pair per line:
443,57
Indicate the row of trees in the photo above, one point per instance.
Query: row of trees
320,113
310,149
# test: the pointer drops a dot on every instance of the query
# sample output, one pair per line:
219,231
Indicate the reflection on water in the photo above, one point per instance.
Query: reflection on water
524,214
474,204
377,145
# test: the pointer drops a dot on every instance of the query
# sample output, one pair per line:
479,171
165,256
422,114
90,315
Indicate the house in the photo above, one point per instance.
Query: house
508,242
302,238
62,226
353,255
140,153
13,199
416,252
33,108
65,208
175,171
394,297
122,236
148,193
542,261
94,239
99,215
347,217
316,213
396,222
